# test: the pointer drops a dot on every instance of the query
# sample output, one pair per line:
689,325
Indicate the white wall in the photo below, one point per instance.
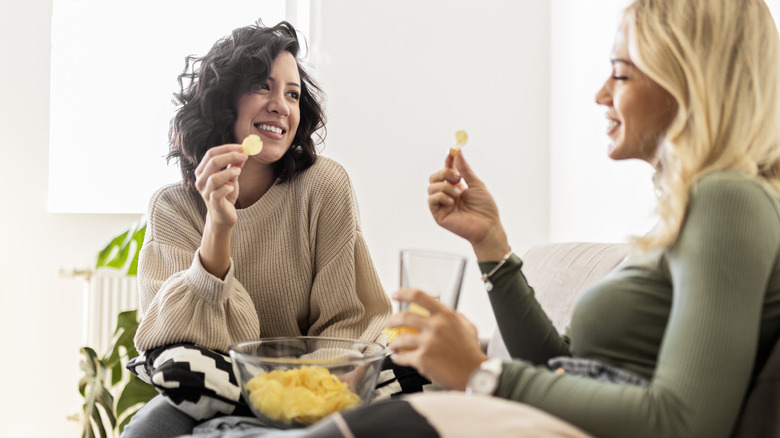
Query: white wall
40,313
591,197
401,78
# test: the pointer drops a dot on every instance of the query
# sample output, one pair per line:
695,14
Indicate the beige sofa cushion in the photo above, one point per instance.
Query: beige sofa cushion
559,273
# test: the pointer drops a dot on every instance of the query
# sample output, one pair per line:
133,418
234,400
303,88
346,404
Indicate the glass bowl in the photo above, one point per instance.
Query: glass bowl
291,382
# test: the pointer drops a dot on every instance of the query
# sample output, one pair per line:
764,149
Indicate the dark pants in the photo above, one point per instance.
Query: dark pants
159,419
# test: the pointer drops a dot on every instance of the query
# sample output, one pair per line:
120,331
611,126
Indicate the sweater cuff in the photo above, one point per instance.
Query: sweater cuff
207,286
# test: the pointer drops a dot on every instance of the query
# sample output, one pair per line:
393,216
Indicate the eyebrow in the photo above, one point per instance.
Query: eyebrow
292,84
621,61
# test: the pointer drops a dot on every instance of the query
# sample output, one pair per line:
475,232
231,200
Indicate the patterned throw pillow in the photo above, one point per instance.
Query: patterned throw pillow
196,380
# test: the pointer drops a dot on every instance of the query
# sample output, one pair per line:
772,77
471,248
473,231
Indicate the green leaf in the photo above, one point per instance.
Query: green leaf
122,252
96,421
96,395
122,348
91,367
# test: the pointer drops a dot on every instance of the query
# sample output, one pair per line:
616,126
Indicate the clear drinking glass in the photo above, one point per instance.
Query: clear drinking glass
438,274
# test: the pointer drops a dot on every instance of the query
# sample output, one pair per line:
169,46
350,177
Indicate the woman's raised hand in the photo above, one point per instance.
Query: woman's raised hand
216,179
460,202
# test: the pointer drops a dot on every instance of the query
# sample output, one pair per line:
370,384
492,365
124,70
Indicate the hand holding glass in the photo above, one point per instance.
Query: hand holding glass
440,275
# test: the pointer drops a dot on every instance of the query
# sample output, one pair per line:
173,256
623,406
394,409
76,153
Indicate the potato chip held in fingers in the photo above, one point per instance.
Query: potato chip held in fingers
252,144
461,138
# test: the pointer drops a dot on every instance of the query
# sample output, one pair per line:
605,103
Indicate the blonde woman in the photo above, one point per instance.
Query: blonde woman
668,343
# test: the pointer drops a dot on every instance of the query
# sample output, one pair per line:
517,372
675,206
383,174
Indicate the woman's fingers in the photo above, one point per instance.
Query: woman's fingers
212,171
219,157
216,181
422,299
450,175
219,194
462,166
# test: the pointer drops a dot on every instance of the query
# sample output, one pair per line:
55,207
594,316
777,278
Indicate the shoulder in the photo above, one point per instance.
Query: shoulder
327,168
172,196
733,203
172,205
325,176
325,190
735,189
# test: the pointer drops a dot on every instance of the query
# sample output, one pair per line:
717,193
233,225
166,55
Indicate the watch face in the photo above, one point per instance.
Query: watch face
483,382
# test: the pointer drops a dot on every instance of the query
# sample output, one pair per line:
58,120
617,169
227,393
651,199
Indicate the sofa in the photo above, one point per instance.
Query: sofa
559,272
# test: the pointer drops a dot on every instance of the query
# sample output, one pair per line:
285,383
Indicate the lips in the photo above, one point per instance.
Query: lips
612,125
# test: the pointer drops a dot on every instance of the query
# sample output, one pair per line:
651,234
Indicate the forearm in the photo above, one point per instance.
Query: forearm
525,328
603,409
190,305
215,248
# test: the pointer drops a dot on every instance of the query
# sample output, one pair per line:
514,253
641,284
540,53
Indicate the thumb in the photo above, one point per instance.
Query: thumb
465,171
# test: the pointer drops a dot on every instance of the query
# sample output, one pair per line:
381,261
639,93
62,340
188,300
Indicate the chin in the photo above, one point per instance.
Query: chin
613,152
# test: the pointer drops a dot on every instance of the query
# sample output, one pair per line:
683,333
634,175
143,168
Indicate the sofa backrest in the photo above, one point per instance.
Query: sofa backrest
559,273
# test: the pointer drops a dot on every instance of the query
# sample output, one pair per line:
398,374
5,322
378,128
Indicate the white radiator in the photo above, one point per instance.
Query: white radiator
105,295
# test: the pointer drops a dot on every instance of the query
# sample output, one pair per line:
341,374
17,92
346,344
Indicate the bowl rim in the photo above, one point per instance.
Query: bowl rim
234,353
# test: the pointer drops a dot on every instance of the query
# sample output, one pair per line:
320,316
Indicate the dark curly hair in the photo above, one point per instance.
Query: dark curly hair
210,86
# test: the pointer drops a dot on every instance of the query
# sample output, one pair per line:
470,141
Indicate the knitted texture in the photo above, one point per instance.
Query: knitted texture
299,266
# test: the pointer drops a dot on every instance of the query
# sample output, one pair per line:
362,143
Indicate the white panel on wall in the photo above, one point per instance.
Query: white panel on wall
114,70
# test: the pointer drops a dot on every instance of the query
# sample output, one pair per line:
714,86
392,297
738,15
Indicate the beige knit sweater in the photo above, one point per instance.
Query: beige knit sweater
299,266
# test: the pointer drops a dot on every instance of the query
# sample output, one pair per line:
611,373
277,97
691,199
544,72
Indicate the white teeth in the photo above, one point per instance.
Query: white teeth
274,129
612,124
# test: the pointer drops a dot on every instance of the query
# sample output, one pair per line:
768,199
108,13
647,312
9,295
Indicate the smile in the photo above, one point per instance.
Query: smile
269,128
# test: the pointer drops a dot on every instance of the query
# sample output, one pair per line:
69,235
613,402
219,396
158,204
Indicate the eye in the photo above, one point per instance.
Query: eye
620,78
259,86
294,95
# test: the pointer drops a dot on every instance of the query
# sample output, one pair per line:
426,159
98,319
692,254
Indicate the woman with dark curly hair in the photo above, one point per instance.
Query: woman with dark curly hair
250,246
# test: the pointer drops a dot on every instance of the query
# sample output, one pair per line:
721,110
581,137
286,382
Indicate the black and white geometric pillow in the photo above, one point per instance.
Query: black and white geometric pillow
196,380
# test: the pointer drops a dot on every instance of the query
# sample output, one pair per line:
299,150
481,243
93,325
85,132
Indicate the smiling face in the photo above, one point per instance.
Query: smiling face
639,111
271,109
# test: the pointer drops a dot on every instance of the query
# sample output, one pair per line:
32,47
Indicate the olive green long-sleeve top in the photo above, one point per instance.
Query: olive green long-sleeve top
697,320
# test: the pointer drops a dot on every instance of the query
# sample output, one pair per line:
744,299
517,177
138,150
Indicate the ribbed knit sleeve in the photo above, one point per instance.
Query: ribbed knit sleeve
692,322
180,300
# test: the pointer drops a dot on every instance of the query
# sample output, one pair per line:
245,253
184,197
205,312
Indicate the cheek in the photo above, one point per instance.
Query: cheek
633,115
248,105
295,121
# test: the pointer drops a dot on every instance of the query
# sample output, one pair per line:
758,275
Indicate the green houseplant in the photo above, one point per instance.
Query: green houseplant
111,393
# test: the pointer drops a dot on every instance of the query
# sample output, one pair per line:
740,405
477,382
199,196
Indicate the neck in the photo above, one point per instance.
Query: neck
253,183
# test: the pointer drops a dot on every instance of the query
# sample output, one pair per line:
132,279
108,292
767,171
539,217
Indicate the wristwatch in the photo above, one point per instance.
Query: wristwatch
484,380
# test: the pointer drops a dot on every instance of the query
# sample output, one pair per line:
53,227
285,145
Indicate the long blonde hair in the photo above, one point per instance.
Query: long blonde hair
720,60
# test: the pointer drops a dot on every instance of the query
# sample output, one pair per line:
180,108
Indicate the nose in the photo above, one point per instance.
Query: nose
278,105
604,95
